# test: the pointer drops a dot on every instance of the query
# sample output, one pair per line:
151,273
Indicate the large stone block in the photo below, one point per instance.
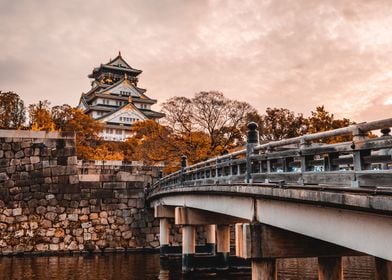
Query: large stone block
97,193
35,159
59,170
114,185
19,154
16,211
73,179
73,217
51,216
3,177
10,154
90,178
4,162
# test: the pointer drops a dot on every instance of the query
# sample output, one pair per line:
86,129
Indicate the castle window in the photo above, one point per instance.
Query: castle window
127,93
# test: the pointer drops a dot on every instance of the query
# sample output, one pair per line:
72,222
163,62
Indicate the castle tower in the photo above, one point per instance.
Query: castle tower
115,99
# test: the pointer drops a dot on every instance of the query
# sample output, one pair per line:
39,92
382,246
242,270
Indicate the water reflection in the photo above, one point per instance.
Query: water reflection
147,266
110,266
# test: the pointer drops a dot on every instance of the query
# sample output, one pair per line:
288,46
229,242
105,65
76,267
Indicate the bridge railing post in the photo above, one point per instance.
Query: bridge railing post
385,133
183,167
358,162
252,141
304,160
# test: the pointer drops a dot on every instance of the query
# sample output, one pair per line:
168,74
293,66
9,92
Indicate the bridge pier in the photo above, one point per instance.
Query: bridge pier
264,244
164,214
188,248
238,240
223,246
330,268
383,269
264,269
164,235
211,239
217,236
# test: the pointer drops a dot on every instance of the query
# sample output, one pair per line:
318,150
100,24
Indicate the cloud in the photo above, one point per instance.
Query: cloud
292,54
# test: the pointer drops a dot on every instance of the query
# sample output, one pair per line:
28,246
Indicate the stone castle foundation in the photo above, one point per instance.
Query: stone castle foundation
47,205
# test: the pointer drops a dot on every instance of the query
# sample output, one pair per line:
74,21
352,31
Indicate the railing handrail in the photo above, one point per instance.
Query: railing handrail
356,130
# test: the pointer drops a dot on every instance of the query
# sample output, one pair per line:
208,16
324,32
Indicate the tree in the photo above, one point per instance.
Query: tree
151,143
321,120
61,115
194,145
220,118
279,123
87,133
12,110
108,151
40,116
178,114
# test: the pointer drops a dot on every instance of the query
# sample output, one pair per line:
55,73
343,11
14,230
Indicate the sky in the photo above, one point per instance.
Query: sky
269,53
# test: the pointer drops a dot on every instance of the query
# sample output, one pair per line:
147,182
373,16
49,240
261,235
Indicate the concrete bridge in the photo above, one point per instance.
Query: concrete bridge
291,198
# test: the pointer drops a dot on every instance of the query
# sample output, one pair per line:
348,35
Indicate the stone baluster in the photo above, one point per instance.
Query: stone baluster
385,133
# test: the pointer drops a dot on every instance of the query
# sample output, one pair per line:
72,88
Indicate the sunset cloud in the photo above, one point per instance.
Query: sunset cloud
291,54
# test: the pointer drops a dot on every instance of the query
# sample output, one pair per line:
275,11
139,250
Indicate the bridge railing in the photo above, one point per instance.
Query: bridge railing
362,162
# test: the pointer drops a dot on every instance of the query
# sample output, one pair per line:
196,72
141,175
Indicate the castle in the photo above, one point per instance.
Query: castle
115,99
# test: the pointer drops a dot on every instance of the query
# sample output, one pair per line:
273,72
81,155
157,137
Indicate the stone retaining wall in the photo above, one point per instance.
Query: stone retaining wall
46,205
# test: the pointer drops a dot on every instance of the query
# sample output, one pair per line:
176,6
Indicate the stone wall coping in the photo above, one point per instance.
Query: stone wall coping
12,133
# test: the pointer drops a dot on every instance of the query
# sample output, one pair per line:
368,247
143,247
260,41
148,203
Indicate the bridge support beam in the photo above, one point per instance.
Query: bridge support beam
383,269
223,246
211,238
330,268
188,248
264,269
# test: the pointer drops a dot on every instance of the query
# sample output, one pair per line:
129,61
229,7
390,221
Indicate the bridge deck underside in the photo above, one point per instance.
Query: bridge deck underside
361,222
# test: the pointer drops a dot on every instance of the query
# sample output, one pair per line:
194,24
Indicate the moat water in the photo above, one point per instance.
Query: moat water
147,266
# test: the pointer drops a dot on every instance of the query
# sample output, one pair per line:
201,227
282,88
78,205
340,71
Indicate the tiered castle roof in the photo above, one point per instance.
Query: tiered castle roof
115,98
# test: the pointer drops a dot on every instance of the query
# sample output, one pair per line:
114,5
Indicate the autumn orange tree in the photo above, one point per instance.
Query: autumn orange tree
153,143
88,144
12,111
40,117
281,123
321,120
66,118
